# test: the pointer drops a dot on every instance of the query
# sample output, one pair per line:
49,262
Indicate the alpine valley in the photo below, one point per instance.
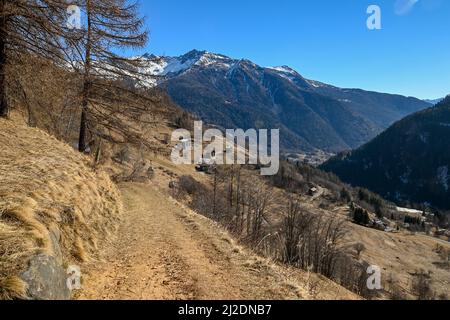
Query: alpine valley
409,162
311,115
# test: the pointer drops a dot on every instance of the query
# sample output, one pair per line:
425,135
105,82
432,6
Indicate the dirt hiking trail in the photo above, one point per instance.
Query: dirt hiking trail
165,251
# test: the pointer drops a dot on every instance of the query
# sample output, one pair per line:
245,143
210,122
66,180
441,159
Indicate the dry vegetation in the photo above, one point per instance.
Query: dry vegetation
402,257
279,218
167,251
275,224
48,192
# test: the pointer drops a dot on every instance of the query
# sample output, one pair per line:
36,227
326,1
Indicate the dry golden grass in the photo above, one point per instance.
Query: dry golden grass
12,288
47,189
401,255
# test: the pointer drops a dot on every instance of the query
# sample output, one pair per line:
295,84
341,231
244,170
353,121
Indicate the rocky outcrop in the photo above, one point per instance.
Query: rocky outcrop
46,279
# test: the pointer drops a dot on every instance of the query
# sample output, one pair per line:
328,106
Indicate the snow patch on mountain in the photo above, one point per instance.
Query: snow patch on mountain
166,65
315,84
230,73
443,177
405,177
161,67
408,210
217,60
285,72
284,69
424,137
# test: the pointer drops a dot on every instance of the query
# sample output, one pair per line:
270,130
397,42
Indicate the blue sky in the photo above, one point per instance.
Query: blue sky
325,40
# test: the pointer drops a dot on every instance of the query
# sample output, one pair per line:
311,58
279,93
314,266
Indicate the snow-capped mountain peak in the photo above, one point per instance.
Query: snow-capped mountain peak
163,66
285,69
160,68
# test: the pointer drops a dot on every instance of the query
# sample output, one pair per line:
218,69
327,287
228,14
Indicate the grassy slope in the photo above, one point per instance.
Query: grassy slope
47,188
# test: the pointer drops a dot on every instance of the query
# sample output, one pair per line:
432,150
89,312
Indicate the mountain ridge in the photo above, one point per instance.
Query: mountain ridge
312,115
409,162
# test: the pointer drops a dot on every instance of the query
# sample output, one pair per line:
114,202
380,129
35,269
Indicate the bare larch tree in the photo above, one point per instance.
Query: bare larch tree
29,27
109,27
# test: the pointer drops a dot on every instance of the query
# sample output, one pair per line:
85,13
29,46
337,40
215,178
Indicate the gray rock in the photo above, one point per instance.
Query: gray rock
150,173
46,279
55,237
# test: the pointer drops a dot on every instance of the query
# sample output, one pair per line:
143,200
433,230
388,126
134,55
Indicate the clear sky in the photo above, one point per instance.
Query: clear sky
324,40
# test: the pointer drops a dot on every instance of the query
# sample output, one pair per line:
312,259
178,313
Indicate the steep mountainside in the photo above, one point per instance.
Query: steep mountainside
55,211
410,161
240,94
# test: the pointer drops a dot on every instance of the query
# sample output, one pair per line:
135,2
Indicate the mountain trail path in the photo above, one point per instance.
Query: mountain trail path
166,251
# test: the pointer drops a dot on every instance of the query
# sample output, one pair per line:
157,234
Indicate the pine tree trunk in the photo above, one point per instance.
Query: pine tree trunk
82,142
82,145
4,109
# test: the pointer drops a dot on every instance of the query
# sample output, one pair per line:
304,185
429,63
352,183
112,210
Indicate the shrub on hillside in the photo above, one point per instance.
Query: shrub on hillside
189,185
360,216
